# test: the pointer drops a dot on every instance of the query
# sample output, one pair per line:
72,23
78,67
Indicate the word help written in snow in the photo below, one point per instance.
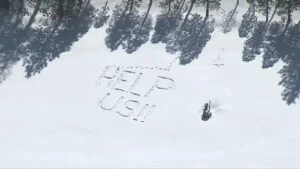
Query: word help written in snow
128,92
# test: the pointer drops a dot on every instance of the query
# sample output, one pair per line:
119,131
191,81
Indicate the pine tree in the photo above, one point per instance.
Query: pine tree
11,34
230,19
75,18
249,22
168,20
129,29
102,16
194,33
4,4
290,73
254,44
140,32
124,18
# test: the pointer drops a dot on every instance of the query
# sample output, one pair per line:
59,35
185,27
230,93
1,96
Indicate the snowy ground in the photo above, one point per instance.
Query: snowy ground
55,119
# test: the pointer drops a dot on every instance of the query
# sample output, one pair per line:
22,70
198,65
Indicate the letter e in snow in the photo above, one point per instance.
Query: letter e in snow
123,80
108,75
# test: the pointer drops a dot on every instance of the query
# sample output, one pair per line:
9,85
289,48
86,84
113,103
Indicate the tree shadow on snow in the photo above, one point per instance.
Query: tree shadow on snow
273,46
128,28
52,28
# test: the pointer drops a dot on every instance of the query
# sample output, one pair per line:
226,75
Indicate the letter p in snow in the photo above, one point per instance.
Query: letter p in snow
162,83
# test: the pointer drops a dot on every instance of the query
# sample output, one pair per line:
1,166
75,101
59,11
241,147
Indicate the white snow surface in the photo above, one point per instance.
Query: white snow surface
54,119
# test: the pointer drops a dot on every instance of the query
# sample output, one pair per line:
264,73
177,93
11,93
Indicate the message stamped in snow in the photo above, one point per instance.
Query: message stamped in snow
129,91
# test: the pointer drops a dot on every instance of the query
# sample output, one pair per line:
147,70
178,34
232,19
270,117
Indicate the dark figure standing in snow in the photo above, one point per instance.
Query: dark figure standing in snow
206,112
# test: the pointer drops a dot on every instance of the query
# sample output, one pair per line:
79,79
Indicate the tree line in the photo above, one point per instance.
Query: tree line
36,32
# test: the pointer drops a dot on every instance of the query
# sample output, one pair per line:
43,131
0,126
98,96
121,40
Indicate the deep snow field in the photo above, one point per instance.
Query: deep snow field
64,116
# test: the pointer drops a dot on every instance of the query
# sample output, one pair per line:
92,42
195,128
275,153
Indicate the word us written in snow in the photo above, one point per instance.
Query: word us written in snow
131,92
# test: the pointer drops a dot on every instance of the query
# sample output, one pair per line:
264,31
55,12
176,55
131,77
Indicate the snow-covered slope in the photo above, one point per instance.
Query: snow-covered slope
55,119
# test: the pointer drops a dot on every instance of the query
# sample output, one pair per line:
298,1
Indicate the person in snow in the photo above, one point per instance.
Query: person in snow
206,111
